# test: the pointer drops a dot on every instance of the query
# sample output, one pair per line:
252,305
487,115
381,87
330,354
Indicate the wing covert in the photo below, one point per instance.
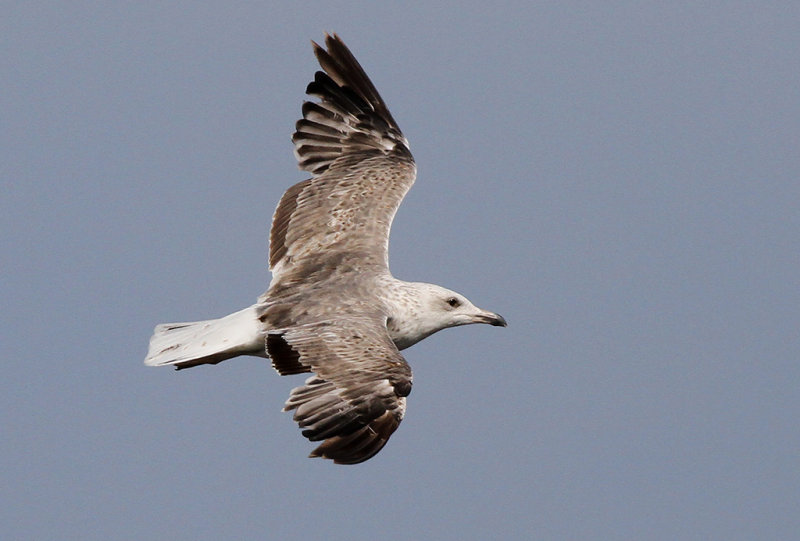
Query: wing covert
357,396
361,166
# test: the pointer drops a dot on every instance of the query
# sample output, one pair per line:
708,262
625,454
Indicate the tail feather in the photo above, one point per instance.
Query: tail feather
206,342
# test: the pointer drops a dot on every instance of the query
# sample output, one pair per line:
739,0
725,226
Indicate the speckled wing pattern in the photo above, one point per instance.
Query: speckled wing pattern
361,166
329,241
356,399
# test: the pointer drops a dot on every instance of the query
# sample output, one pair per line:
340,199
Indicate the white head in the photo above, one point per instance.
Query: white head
428,308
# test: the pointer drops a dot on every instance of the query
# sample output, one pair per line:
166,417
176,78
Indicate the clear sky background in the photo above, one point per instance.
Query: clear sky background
618,179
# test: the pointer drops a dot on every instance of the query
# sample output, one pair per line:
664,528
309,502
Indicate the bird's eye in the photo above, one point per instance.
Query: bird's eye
453,302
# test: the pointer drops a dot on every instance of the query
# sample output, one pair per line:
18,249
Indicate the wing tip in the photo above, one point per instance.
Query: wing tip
350,111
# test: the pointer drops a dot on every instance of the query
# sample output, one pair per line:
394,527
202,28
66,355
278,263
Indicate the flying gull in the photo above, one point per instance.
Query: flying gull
332,307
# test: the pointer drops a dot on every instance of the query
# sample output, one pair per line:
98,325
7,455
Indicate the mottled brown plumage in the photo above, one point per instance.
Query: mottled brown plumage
332,307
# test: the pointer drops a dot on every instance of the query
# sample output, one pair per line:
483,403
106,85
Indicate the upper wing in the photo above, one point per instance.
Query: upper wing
356,399
361,166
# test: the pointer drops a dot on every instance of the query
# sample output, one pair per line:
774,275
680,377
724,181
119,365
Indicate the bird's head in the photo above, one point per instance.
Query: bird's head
451,309
428,308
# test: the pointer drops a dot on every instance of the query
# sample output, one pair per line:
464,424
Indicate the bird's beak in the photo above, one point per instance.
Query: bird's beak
491,318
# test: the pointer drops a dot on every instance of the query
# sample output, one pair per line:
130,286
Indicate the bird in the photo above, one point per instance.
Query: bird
333,308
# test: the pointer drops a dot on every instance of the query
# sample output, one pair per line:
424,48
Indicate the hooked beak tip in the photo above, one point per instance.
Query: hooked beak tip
496,320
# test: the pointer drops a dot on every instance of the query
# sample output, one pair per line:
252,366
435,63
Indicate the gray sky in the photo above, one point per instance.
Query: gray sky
620,182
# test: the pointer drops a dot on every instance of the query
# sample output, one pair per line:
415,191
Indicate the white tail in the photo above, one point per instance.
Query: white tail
207,342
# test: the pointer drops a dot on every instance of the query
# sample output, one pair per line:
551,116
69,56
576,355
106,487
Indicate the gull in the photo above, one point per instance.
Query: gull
332,307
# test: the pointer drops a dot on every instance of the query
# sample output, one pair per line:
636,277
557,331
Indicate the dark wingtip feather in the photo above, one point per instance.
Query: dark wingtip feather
353,111
360,445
